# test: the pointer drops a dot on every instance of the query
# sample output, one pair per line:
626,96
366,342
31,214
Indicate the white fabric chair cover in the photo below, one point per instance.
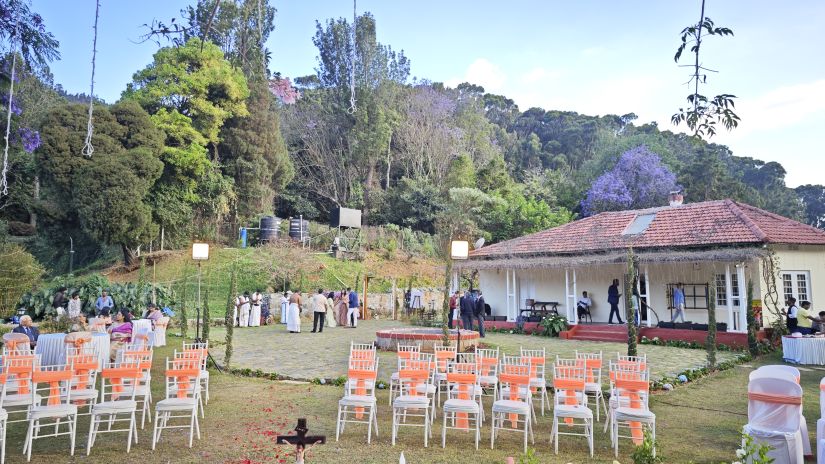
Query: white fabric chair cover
160,331
781,371
776,424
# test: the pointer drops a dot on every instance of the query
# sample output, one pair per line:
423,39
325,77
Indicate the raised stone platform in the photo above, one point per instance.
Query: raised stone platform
389,339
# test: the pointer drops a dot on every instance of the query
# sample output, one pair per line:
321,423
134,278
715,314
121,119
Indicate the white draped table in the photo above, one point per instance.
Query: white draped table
143,326
804,350
52,348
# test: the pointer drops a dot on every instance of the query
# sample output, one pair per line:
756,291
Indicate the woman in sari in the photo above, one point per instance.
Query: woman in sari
120,333
331,322
341,308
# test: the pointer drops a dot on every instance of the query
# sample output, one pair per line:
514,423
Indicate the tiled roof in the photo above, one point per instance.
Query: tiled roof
709,223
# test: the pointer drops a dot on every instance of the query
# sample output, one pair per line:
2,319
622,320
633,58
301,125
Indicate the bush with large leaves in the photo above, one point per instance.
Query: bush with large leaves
19,273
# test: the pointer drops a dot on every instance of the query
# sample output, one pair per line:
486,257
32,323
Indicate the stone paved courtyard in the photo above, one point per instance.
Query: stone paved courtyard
324,355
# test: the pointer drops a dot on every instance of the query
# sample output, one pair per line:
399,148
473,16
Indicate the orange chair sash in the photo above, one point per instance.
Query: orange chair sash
23,373
516,381
775,399
184,376
465,382
53,378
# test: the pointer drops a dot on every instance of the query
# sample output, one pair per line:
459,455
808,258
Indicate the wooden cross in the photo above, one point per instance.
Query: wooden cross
301,440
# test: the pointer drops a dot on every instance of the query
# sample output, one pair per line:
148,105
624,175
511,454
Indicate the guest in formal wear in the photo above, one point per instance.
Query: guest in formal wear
319,311
28,329
330,307
75,306
467,307
285,306
341,302
120,333
479,312
352,311
153,313
255,312
790,318
613,298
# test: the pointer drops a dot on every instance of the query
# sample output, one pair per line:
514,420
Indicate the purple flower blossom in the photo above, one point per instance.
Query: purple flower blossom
639,180
30,139
283,89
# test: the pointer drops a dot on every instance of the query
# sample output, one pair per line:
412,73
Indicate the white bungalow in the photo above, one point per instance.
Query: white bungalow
723,244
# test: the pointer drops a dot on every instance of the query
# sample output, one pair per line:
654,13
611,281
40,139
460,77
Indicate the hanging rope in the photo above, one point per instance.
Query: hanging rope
352,107
88,149
4,185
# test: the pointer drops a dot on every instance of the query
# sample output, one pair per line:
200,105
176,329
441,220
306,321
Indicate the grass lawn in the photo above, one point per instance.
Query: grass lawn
699,422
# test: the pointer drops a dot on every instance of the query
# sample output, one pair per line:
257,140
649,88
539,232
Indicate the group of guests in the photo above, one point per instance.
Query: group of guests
468,307
249,309
801,319
330,308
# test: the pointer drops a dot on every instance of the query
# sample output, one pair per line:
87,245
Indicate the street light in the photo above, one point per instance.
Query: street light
459,249
200,252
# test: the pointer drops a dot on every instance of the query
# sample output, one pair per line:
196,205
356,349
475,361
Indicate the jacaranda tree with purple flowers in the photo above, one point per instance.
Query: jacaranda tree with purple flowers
639,180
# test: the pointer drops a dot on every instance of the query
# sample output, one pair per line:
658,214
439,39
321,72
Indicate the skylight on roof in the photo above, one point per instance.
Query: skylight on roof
640,224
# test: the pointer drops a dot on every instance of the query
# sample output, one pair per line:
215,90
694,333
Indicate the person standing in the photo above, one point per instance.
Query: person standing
467,307
352,312
678,303
341,304
479,312
453,309
791,318
613,298
284,306
104,301
59,302
242,309
319,311
293,319
255,313
330,309
75,306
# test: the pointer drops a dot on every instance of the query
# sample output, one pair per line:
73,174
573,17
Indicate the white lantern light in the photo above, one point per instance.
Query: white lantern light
460,249
200,251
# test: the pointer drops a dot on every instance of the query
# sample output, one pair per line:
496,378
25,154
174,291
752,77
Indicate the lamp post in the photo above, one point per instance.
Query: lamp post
200,253
459,249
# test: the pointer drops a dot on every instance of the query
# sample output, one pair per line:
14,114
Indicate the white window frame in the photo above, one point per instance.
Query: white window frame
795,278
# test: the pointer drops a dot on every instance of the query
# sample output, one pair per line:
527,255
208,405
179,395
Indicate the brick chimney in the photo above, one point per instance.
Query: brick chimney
675,198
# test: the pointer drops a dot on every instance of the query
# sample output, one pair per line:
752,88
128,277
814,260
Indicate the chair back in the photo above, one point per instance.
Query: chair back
638,361
361,377
200,350
16,342
77,339
781,370
362,351
97,324
17,372
85,365
408,352
466,358
774,404
538,360
413,375
514,376
487,359
462,379
822,398
182,375
119,381
569,383
443,354
632,387
162,323
50,385
592,363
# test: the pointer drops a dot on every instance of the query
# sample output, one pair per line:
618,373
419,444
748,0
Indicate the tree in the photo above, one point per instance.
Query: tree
195,81
639,180
22,27
813,202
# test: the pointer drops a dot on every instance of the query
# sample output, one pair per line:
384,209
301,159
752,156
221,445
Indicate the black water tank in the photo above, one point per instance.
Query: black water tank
269,228
298,229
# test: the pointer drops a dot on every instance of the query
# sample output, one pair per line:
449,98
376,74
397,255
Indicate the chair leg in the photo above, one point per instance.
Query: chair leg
369,426
394,425
426,425
192,425
27,448
73,431
554,434
444,431
492,431
129,438
155,432
338,424
91,435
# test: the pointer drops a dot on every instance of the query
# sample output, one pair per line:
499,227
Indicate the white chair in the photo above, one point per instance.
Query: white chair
202,351
632,389
443,354
463,400
514,399
17,386
791,373
118,385
51,403
570,404
182,399
592,363
359,398
623,363
414,400
143,390
774,413
160,331
404,352
538,378
488,362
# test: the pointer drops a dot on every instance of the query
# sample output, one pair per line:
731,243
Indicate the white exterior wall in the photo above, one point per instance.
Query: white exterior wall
549,285
798,258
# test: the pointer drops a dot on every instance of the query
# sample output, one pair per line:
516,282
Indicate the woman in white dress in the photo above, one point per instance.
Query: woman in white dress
293,319
330,310
285,306
243,316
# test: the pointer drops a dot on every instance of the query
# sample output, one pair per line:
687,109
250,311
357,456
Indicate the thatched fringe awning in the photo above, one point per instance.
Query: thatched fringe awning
733,254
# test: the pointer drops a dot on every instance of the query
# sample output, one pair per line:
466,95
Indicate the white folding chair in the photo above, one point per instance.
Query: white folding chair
202,351
488,362
414,400
538,378
774,413
624,363
404,352
792,373
143,391
85,366
160,331
632,389
119,382
592,363
463,400
514,399
17,384
570,404
52,404
182,399
359,398
443,354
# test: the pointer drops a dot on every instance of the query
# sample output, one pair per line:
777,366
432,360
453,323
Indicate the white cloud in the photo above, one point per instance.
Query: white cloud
484,73
539,74
781,107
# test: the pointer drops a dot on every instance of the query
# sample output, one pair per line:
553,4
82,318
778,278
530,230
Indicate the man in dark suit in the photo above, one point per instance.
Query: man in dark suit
613,298
478,313
467,307
26,328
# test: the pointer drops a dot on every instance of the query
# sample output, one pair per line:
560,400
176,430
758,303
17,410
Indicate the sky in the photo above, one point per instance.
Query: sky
592,57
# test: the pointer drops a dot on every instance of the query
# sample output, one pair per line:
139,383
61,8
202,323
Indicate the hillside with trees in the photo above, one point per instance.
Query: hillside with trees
206,139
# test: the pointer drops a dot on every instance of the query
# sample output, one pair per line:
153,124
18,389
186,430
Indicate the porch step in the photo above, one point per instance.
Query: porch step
600,337
600,332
